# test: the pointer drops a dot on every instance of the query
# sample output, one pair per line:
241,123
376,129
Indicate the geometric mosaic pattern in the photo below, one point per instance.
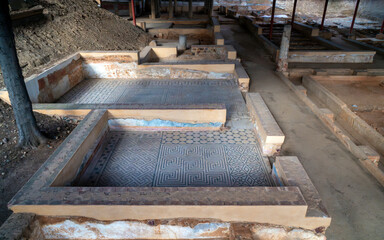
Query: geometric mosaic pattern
134,157
191,165
93,91
244,136
178,159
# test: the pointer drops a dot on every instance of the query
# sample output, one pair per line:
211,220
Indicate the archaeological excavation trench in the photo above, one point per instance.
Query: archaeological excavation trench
163,136
179,141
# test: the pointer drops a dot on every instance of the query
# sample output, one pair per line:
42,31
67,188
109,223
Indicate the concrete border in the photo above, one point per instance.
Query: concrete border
216,24
206,34
242,77
330,56
193,114
365,46
337,131
306,29
219,39
157,53
230,51
213,67
301,72
343,114
175,21
47,193
290,172
268,132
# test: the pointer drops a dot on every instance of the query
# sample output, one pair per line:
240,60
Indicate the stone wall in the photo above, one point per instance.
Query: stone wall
52,83
201,50
27,226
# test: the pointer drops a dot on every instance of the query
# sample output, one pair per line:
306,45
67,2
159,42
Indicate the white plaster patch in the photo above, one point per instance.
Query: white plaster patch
154,72
33,89
130,122
279,233
215,75
110,70
132,230
62,87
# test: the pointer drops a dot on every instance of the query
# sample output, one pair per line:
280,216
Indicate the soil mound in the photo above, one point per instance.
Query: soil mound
69,26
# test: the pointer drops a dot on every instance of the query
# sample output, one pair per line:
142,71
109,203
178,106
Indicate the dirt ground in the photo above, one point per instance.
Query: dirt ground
69,26
366,95
17,165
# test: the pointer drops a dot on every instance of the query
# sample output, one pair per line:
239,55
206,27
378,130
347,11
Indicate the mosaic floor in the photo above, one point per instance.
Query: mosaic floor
160,92
170,159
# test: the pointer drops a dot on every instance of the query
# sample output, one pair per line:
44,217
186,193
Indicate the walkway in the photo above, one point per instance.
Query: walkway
352,196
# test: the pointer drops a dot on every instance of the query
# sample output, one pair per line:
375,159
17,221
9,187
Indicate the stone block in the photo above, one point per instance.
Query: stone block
242,77
216,25
267,130
291,172
302,89
153,43
328,113
231,52
372,155
219,39
279,233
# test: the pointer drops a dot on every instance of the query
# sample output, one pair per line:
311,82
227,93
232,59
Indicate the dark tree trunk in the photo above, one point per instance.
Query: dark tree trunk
175,8
210,8
190,12
29,135
158,8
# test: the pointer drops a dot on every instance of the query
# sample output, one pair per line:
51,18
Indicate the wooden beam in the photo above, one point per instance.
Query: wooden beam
272,18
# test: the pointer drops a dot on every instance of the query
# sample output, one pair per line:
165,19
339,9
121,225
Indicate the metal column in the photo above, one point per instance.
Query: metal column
133,12
325,12
294,12
272,18
354,16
